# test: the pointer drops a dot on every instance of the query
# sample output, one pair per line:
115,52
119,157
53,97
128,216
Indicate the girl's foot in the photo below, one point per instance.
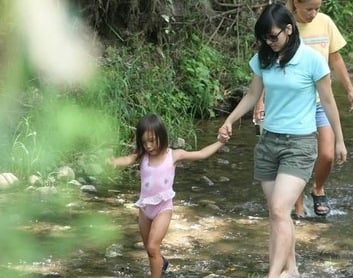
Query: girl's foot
165,264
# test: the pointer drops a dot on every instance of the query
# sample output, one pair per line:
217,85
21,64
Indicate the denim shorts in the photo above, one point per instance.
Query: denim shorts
284,153
321,119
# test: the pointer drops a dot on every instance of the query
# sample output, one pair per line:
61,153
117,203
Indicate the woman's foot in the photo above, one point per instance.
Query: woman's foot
286,274
321,204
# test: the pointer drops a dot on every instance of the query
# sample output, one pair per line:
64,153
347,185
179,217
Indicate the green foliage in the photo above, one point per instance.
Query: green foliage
201,66
136,81
55,132
341,12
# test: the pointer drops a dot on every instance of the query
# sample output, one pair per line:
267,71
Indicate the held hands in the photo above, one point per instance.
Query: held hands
224,132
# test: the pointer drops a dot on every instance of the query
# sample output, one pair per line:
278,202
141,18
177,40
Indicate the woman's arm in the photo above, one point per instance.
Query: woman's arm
259,109
339,67
328,102
248,101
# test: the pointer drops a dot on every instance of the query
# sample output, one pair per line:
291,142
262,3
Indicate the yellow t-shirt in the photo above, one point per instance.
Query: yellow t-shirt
322,34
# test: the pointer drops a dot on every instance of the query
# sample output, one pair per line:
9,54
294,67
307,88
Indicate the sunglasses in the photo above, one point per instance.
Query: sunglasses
272,38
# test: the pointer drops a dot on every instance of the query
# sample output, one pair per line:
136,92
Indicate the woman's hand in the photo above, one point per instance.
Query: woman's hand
224,132
341,153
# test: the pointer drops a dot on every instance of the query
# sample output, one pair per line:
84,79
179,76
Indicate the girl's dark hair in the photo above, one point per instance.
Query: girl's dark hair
153,123
279,16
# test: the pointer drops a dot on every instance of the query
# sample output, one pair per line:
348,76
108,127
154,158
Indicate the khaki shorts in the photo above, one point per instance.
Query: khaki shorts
284,153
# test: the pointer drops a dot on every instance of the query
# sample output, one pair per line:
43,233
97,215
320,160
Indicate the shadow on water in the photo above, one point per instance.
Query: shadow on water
220,224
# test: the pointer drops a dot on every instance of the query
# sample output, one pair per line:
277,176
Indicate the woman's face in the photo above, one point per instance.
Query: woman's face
278,38
305,11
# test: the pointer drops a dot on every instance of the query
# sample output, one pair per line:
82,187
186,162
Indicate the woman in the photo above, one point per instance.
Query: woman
290,73
319,31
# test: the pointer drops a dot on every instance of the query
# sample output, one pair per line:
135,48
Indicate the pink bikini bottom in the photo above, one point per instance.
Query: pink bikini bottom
151,211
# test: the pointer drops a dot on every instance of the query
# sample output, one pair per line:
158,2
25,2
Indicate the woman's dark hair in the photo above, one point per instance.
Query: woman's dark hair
279,16
153,123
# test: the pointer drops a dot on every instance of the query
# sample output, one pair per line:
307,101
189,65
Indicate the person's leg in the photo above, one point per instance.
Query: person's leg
323,165
145,226
281,196
299,206
158,230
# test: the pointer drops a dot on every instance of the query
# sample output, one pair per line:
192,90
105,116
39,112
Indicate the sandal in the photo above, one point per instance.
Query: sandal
320,201
165,265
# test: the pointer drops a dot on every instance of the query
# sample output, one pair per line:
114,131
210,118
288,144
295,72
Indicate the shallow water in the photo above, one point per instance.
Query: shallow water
220,224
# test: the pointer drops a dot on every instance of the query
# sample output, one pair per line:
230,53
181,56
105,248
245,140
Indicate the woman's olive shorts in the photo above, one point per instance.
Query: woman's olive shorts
284,153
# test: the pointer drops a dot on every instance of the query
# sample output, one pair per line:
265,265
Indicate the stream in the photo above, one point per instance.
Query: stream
219,227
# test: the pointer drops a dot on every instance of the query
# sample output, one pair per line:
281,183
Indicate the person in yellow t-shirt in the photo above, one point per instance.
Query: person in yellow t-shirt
320,32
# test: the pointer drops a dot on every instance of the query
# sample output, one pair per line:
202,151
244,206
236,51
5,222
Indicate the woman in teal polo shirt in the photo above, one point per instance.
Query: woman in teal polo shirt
290,73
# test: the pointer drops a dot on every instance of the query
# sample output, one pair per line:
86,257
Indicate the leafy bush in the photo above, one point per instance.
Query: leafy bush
341,11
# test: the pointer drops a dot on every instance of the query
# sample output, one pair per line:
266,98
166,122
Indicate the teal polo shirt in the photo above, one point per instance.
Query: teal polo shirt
290,100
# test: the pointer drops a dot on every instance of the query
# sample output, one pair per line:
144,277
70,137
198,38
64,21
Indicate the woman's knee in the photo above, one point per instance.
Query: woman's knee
278,214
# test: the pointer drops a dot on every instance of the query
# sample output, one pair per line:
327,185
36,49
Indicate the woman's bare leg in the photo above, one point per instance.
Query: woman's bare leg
281,195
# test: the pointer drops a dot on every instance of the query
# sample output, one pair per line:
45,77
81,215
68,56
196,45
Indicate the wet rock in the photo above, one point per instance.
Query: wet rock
75,183
224,179
139,245
210,204
225,149
113,251
208,181
89,189
47,190
7,180
74,205
223,161
214,207
66,173
196,188
120,201
35,180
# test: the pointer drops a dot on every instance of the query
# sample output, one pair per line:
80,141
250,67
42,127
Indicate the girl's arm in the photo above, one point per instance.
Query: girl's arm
122,161
180,154
329,104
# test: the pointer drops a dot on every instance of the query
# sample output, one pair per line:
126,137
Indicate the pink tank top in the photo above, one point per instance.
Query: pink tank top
156,181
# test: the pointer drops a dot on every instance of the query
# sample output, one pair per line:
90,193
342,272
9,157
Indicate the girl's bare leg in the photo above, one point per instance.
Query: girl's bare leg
153,232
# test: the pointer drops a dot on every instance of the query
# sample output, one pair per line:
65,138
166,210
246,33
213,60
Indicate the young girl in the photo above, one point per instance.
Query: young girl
157,169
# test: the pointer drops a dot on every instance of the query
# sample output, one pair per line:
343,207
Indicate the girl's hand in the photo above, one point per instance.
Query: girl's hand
110,161
224,133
